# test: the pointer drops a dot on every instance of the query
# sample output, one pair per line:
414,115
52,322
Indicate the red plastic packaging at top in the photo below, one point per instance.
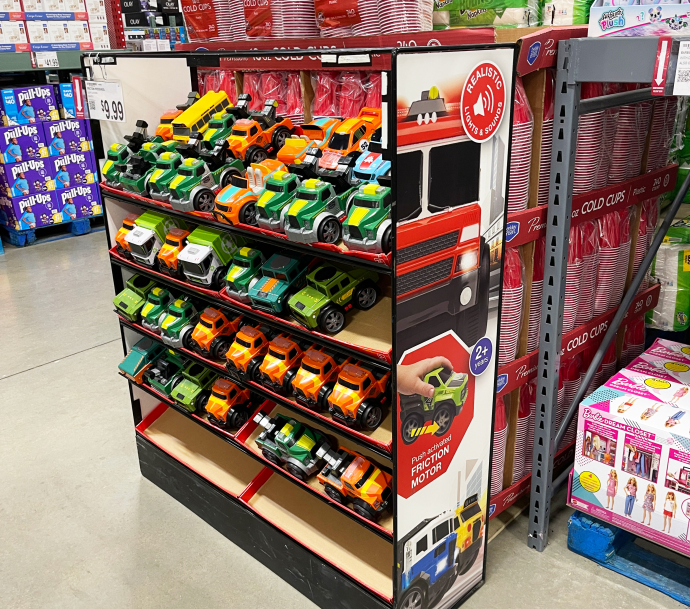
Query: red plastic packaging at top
274,86
351,94
610,230
549,94
591,89
570,368
373,88
528,396
325,94
336,13
500,421
575,249
590,238
522,112
252,85
512,269
218,80
294,94
538,259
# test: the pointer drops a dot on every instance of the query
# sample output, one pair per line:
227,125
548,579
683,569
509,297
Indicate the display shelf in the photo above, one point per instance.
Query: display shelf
264,514
21,62
378,441
377,262
375,357
241,441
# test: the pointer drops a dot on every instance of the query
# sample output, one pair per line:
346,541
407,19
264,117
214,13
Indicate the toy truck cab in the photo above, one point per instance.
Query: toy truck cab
165,129
353,134
207,255
194,390
330,292
166,373
215,332
290,442
450,393
367,227
247,351
228,406
316,133
316,377
470,519
140,166
349,476
152,314
357,398
140,359
219,128
175,242
115,164
178,324
279,192
281,363
369,166
121,245
165,171
427,554
243,272
147,238
281,276
131,300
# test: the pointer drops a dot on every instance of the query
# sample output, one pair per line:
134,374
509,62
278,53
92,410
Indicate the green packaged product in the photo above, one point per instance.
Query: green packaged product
481,13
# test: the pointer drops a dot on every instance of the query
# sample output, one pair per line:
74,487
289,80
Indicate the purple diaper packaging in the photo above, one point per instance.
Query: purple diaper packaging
73,169
66,136
22,142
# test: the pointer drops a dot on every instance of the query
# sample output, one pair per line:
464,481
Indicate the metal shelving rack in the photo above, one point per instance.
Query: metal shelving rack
623,60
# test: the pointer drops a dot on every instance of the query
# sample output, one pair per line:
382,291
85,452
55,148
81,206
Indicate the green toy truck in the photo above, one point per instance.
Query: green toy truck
178,324
287,441
219,128
131,300
140,358
450,393
367,227
147,237
207,255
166,169
243,273
330,293
281,276
152,314
279,191
115,165
316,212
195,389
166,372
140,167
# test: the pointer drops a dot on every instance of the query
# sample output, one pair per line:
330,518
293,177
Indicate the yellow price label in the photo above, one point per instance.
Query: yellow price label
676,367
657,383
686,261
685,350
590,482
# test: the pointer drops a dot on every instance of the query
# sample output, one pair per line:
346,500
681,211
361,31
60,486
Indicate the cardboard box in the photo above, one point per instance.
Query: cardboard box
95,8
72,169
146,19
13,32
10,6
75,6
66,136
79,201
59,32
38,32
100,37
138,6
79,31
636,20
25,105
54,6
26,178
33,6
32,211
22,142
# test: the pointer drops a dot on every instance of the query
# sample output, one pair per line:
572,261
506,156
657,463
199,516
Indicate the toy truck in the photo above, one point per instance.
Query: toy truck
148,236
178,324
316,213
470,519
253,139
369,166
164,129
288,441
196,117
167,166
279,192
175,242
131,300
281,363
352,136
358,396
237,202
219,128
243,273
194,390
330,293
140,359
166,373
247,351
208,253
140,167
314,134
367,227
316,377
229,405
450,393
281,276
215,332
348,476
121,245
115,164
153,313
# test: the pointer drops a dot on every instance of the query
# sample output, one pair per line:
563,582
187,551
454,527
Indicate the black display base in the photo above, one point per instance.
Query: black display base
304,571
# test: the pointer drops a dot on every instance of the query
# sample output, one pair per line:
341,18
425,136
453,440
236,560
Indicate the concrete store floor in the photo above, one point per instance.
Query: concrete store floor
79,526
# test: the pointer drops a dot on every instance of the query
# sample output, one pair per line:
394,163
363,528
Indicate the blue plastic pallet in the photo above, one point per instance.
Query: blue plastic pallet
22,238
614,548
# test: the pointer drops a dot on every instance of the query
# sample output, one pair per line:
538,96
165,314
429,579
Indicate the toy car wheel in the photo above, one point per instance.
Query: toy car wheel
412,422
218,277
334,494
365,296
219,348
255,154
279,136
253,370
329,231
413,599
466,560
239,418
371,417
332,319
226,176
201,401
204,200
247,214
269,456
443,417
288,378
296,472
364,510
324,392
386,241
187,341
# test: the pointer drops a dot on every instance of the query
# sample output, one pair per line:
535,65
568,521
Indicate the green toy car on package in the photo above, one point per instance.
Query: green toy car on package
287,441
132,299
195,389
279,191
153,313
281,276
178,324
243,273
148,236
207,255
140,359
330,293
367,227
165,171
450,393
166,372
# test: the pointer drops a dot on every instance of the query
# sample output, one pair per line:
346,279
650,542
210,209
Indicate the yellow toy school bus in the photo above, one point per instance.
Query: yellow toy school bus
197,116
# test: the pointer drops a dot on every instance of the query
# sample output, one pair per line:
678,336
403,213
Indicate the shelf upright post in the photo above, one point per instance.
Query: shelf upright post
553,299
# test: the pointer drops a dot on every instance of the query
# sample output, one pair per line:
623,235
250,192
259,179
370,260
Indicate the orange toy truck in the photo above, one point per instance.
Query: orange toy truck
349,475
229,405
164,128
215,332
281,363
121,244
316,377
175,242
314,134
358,396
248,350
352,136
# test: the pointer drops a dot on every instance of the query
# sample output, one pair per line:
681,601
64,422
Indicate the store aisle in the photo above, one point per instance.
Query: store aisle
80,528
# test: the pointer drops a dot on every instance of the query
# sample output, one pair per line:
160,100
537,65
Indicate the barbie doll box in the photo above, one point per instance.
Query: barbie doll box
632,459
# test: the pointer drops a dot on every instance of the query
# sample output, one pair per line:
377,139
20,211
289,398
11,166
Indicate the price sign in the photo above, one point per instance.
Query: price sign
105,101
46,59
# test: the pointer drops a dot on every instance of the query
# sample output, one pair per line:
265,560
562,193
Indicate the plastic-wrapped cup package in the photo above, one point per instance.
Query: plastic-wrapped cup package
351,94
560,399
643,117
217,22
609,241
298,19
651,209
325,85
511,306
373,89
546,138
521,150
274,86
587,356
369,19
295,105
570,370
624,220
218,80
590,263
238,24
405,16
633,341
573,279
589,142
641,248
534,320
608,364
521,439
601,179
661,129
624,141
498,458
252,85
528,392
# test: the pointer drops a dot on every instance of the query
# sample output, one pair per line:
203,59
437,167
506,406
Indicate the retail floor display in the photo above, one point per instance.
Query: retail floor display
261,307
